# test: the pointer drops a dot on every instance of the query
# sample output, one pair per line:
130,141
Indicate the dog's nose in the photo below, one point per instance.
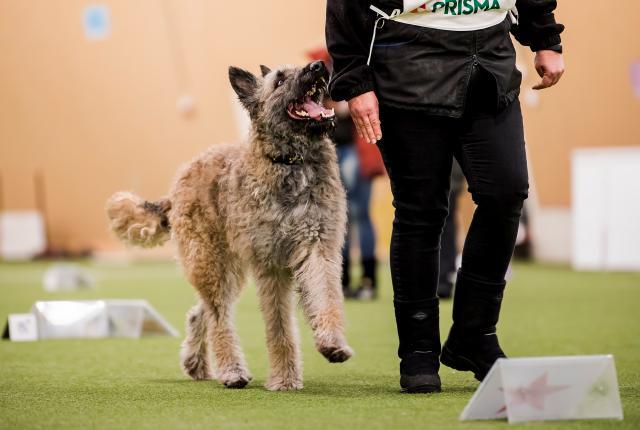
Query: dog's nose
317,66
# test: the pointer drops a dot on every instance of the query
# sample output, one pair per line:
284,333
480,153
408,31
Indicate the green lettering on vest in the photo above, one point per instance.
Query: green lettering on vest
480,5
495,5
437,5
468,7
450,6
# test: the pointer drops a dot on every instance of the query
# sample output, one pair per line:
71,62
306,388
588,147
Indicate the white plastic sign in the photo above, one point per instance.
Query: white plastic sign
547,388
23,327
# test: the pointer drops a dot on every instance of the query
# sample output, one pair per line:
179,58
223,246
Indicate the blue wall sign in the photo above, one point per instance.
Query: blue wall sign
96,20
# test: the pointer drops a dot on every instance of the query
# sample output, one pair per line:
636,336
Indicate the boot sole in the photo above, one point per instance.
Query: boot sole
420,384
423,389
459,362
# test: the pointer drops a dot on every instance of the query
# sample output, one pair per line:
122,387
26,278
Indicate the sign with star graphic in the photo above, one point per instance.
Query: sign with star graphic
547,388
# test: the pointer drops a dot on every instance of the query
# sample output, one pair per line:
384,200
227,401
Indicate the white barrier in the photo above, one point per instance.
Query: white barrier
547,388
92,319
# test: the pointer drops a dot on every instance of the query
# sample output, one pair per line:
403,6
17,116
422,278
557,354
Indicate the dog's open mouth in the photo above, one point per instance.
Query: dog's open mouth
310,107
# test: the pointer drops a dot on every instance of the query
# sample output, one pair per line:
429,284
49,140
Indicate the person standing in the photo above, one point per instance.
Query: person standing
430,81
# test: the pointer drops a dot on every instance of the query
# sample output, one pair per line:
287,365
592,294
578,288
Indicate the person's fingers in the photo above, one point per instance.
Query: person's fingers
550,67
557,76
361,119
364,112
370,135
553,77
356,122
546,82
374,119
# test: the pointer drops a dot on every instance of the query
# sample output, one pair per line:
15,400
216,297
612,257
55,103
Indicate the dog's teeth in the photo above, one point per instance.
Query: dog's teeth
302,113
328,115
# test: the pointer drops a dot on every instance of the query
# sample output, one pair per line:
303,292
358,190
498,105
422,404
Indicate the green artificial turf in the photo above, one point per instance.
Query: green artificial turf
120,383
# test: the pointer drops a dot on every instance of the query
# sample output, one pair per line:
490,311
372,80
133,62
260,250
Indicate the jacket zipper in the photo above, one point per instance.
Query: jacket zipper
475,64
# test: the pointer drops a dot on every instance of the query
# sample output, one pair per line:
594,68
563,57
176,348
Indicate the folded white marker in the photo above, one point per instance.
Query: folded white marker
547,388
88,319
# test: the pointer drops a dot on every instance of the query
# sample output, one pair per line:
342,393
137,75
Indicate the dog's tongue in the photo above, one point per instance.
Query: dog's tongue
316,110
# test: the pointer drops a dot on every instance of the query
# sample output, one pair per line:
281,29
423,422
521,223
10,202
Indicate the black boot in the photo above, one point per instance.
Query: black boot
368,289
419,348
472,344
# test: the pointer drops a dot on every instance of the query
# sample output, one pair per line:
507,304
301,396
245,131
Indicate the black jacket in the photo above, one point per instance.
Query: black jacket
429,69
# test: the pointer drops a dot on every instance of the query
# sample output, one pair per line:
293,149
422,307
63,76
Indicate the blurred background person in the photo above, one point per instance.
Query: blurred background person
358,190
359,163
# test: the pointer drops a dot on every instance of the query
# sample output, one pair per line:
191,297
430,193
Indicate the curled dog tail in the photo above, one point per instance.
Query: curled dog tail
138,222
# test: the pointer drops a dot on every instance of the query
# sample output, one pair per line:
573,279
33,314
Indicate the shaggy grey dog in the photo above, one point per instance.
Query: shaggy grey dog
274,206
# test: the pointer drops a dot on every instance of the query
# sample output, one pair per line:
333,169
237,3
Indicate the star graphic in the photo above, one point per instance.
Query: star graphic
533,395
420,9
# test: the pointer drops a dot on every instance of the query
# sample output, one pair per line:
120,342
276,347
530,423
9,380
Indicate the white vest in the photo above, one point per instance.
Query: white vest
455,15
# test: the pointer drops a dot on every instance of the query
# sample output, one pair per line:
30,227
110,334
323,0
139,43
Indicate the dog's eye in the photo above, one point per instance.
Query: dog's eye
279,83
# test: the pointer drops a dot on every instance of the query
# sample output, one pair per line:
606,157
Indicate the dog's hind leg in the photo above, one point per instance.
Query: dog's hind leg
278,308
217,277
322,302
219,300
195,355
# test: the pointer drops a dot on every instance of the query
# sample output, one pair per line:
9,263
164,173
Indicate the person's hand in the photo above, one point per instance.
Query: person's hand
550,67
364,112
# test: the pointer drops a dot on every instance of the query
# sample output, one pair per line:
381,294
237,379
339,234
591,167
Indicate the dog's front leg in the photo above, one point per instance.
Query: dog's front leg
278,308
322,302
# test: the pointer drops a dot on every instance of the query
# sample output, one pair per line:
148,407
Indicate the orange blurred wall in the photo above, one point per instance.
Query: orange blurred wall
98,116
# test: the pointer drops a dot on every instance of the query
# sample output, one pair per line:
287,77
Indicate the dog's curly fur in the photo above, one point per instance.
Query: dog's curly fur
234,209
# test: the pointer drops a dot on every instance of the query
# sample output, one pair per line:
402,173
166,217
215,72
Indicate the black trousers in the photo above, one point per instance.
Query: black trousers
418,150
448,252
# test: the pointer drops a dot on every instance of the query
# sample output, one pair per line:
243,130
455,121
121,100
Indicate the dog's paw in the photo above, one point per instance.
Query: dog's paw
336,354
235,378
279,384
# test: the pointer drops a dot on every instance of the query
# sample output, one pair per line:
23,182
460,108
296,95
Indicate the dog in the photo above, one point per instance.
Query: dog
273,206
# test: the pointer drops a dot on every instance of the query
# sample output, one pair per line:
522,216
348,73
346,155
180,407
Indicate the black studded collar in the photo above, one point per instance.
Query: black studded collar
286,159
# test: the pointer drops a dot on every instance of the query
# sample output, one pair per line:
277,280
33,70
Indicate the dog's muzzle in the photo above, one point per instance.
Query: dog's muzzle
309,107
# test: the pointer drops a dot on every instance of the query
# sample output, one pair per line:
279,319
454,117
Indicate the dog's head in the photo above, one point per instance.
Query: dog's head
288,100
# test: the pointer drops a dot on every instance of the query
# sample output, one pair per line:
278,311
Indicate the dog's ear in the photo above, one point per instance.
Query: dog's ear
265,70
245,84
